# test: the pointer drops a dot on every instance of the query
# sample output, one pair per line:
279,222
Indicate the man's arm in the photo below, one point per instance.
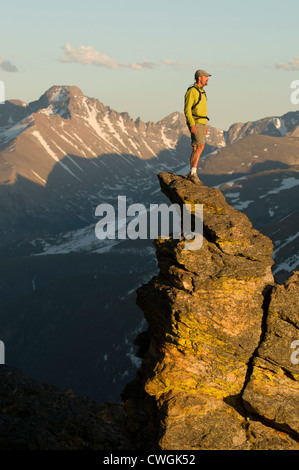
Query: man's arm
189,102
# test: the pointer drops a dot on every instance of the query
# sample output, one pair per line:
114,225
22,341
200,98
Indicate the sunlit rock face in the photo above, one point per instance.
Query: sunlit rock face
217,370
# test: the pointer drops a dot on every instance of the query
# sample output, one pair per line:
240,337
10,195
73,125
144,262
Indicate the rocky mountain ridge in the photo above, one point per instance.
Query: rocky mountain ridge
63,124
276,126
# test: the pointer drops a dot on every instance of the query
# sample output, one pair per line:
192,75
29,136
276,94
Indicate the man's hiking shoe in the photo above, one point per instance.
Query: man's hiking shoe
194,178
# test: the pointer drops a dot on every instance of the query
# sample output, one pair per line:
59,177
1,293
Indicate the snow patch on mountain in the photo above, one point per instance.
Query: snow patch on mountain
279,124
51,153
286,183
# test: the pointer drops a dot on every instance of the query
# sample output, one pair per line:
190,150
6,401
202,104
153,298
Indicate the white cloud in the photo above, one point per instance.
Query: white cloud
174,63
7,66
292,65
87,55
145,64
90,55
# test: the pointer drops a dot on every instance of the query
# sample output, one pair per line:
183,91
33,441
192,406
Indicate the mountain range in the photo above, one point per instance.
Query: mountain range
68,312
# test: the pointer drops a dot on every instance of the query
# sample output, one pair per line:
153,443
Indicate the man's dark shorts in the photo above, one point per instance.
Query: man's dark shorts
200,136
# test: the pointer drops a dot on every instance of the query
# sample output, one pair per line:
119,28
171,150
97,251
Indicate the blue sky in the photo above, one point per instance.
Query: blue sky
140,56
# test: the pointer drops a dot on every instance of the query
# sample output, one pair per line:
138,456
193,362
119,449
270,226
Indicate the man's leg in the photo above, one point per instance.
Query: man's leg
198,143
195,156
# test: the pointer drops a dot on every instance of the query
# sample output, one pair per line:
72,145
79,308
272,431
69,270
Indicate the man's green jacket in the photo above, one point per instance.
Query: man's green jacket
191,98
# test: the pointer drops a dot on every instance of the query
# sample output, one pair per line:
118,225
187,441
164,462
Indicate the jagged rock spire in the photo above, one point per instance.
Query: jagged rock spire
203,380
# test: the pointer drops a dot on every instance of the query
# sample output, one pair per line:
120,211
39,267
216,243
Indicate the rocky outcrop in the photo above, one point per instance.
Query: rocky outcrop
217,370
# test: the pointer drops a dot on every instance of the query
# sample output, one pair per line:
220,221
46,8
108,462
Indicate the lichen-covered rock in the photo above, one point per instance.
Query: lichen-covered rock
273,387
206,312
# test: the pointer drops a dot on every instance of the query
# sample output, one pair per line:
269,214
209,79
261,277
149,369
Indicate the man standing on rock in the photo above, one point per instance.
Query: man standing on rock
196,116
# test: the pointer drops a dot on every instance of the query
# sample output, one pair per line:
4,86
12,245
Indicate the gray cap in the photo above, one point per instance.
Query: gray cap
201,73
